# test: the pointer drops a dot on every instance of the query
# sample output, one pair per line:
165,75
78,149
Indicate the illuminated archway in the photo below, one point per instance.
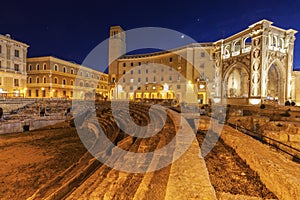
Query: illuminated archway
276,83
236,82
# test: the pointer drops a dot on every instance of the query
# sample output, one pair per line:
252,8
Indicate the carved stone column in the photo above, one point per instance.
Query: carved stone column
290,39
218,70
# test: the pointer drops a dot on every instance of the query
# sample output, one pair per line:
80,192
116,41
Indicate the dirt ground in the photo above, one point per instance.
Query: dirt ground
230,174
30,159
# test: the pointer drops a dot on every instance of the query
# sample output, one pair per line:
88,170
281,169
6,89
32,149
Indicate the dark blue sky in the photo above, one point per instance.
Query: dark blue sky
70,30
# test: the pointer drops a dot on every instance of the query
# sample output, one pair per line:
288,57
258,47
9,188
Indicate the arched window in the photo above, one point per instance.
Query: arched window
87,74
37,80
30,80
81,73
71,82
44,80
72,71
30,67
55,68
64,69
81,84
274,41
37,67
281,43
55,80
45,67
64,81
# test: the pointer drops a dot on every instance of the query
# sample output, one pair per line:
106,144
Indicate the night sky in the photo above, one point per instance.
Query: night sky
70,30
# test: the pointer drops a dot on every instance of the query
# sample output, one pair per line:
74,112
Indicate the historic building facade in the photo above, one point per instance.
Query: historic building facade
161,75
249,67
13,56
50,77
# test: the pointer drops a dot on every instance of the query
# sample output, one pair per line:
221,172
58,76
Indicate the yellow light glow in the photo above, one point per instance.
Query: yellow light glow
190,82
202,86
43,88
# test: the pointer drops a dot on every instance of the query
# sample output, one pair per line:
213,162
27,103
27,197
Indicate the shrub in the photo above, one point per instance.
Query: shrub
262,106
287,103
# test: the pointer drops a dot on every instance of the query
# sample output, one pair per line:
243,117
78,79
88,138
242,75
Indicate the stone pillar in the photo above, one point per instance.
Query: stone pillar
290,39
218,70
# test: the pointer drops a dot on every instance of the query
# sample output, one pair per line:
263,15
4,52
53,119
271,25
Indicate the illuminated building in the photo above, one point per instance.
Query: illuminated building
50,77
249,67
12,67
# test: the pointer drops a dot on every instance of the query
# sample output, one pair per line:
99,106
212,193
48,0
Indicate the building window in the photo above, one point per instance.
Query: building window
17,53
44,67
171,59
64,93
178,87
154,79
44,80
170,78
55,68
92,76
131,72
29,93
71,93
146,79
81,84
72,71
0,49
124,64
123,80
124,71
30,67
139,80
37,80
202,54
30,80
71,82
55,80
16,66
43,93
81,73
64,82
139,71
131,80
146,71
140,63
131,64
37,93
16,82
64,70
37,67
87,74
162,78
